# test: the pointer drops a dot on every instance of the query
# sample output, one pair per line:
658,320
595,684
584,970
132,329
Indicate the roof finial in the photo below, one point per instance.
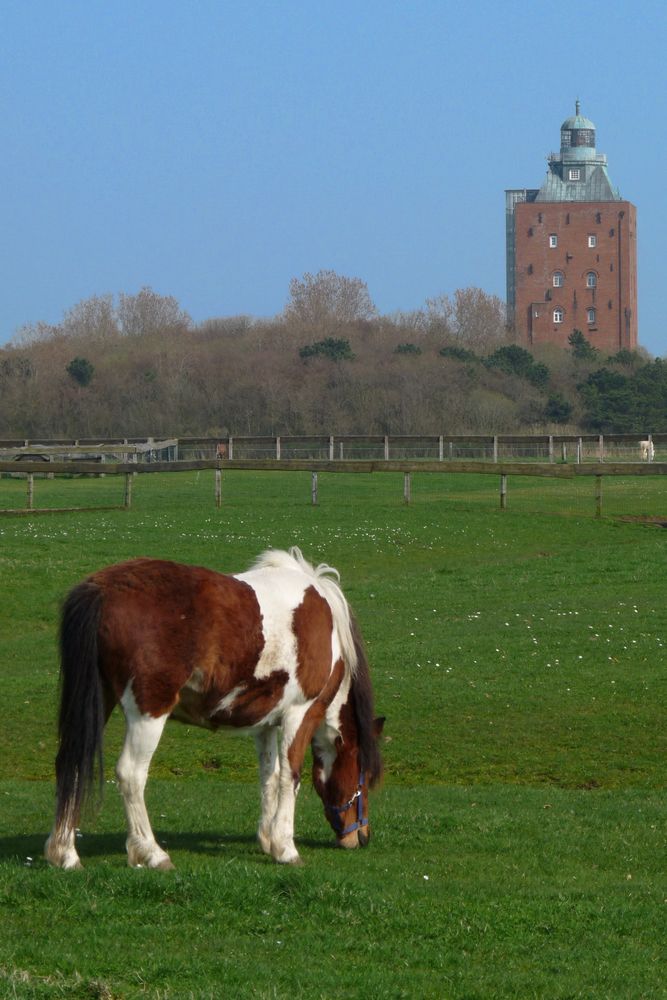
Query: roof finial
577,106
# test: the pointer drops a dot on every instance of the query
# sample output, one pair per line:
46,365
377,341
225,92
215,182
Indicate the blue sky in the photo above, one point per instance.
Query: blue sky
215,150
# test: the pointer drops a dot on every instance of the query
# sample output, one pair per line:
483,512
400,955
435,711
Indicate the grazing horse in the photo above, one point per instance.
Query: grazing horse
647,450
274,648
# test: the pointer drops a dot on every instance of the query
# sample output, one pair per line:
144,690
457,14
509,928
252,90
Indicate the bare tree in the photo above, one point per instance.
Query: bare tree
148,312
93,318
472,318
326,300
34,333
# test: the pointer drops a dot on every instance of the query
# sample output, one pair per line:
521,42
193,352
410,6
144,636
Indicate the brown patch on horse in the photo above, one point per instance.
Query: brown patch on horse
256,698
312,623
313,717
151,632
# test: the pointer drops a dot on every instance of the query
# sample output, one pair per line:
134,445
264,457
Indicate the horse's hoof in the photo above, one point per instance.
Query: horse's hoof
289,859
167,865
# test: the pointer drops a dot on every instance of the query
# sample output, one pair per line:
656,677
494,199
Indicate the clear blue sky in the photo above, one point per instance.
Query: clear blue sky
214,150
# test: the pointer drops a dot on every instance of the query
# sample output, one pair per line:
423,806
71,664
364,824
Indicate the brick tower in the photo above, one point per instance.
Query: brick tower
572,250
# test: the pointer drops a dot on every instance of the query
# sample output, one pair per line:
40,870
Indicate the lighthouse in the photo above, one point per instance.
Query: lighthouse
572,250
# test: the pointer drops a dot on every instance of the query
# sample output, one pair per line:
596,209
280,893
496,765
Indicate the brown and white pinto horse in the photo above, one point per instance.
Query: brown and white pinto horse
275,647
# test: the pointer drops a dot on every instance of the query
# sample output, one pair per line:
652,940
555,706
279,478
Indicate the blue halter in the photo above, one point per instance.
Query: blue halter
336,812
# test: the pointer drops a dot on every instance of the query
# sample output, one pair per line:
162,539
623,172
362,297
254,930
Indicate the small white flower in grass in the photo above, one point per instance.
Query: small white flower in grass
426,878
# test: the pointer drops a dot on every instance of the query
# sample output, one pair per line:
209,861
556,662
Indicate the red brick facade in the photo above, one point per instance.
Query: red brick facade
575,269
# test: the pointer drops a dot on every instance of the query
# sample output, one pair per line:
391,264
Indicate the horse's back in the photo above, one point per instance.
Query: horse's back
213,649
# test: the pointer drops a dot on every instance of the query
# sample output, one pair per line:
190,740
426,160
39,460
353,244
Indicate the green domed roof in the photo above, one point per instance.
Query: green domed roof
578,121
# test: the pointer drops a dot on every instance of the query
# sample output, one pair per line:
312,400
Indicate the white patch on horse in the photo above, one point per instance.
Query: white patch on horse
226,704
142,736
279,593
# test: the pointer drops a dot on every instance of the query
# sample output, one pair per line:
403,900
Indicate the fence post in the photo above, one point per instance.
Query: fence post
601,447
313,489
598,496
441,448
231,447
128,489
495,447
278,448
218,487
580,448
551,447
407,486
503,492
31,490
331,447
386,447
563,451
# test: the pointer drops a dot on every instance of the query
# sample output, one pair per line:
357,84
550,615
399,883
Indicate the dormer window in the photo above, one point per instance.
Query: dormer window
574,174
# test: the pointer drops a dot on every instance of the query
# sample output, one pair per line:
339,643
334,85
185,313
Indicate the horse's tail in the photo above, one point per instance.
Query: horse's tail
82,716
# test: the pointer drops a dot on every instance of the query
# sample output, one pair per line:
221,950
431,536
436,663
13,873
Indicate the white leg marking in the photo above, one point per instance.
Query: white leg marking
141,739
266,741
60,849
283,847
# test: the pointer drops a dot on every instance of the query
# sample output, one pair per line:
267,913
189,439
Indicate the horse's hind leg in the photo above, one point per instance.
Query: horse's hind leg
266,742
60,848
141,739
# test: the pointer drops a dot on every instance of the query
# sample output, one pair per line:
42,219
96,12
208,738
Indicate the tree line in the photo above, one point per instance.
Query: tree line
136,364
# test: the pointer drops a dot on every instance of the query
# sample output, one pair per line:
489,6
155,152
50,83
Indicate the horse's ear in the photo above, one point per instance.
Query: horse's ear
378,726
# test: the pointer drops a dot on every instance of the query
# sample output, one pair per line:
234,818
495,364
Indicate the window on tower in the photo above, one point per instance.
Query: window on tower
592,240
591,279
559,315
574,174
558,279
553,240
590,315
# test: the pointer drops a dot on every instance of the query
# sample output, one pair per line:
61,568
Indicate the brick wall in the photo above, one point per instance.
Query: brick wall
587,281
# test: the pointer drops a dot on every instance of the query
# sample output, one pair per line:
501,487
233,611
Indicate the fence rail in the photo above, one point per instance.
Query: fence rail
495,448
595,470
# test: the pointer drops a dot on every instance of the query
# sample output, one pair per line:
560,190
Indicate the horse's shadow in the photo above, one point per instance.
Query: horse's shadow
26,850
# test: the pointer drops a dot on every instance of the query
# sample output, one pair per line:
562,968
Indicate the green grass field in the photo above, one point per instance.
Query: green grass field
519,840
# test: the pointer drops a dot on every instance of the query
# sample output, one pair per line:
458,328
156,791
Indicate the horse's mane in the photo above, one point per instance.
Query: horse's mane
325,578
352,647
361,695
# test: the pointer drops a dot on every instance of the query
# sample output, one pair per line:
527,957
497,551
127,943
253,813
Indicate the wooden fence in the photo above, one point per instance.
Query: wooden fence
595,471
494,448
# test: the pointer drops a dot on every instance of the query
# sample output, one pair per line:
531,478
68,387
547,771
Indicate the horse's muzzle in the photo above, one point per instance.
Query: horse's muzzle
356,838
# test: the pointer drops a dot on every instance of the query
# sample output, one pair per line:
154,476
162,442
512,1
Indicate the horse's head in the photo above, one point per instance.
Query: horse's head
343,773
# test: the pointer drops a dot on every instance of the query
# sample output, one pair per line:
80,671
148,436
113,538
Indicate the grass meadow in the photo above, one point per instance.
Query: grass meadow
519,838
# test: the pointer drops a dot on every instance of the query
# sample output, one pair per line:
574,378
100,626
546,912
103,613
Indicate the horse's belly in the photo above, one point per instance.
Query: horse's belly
249,703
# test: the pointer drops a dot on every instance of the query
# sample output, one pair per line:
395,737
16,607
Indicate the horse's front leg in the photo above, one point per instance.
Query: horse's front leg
266,741
299,724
